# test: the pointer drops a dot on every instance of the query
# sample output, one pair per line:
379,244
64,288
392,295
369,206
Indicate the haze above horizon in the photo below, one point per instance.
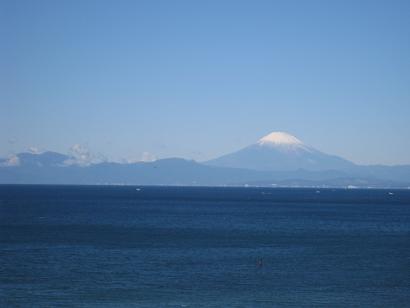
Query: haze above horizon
135,79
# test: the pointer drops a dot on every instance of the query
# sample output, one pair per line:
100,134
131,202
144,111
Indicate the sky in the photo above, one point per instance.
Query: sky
138,80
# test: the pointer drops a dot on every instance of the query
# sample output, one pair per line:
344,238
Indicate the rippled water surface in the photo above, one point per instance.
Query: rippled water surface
192,247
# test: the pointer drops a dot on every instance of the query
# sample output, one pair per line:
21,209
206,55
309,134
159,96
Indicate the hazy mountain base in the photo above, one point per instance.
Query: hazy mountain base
273,158
52,168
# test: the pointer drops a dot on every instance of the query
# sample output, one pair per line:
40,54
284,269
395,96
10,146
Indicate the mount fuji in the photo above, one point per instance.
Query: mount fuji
280,151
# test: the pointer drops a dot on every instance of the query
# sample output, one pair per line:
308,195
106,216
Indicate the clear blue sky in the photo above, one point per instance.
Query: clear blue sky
197,79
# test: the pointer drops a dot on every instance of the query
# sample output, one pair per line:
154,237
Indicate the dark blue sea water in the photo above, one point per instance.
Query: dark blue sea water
203,247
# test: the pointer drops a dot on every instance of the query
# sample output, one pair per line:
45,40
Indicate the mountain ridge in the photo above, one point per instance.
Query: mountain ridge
276,160
178,171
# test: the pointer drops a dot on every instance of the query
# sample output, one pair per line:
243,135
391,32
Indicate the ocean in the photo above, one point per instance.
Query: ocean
138,246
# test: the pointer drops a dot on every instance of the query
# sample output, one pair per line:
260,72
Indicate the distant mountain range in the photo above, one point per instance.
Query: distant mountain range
276,160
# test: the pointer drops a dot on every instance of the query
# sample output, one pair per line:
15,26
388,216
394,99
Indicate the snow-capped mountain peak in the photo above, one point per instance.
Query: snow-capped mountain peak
280,138
280,151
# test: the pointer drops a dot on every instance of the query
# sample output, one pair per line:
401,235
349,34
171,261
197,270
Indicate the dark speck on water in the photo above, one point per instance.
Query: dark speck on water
201,246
